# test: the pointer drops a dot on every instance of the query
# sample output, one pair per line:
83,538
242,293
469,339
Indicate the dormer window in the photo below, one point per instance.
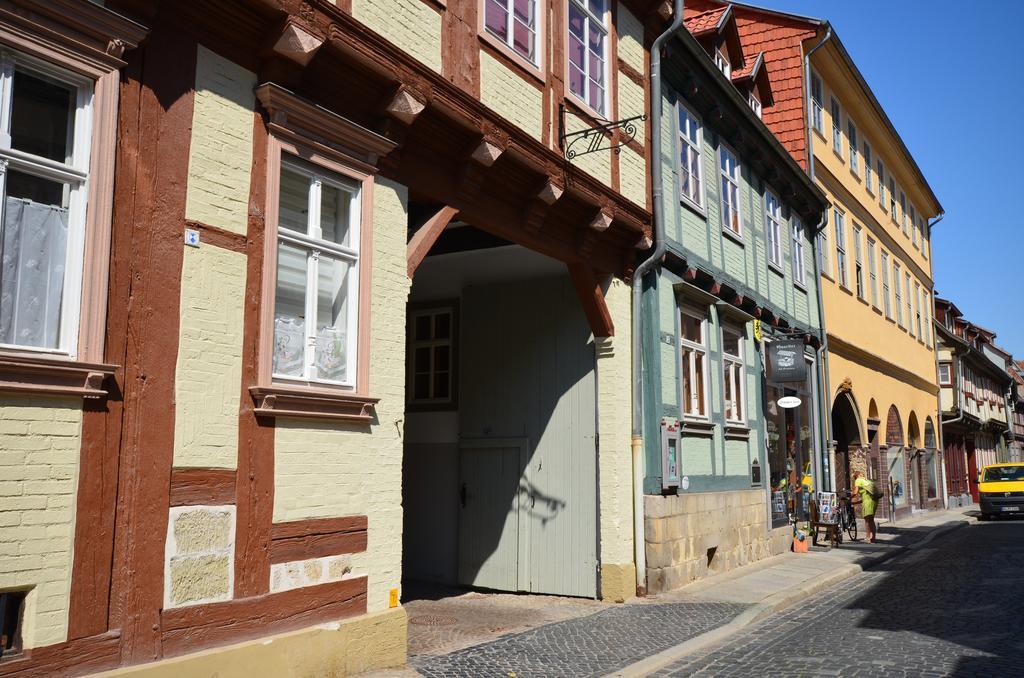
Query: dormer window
723,63
755,102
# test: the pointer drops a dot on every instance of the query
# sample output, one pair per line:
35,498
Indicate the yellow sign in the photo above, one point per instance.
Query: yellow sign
393,598
757,331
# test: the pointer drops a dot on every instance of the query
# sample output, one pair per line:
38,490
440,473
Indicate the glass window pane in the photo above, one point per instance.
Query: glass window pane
441,357
421,359
293,209
332,319
335,213
522,39
421,386
42,116
577,23
698,360
687,357
32,271
442,325
422,332
690,328
731,343
597,7
290,312
441,385
496,18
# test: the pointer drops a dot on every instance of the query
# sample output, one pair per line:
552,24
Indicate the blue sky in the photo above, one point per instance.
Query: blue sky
950,80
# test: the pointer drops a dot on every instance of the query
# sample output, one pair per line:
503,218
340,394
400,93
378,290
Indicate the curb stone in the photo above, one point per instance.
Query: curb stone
776,603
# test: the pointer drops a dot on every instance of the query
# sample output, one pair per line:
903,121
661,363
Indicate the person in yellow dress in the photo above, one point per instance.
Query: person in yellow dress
869,497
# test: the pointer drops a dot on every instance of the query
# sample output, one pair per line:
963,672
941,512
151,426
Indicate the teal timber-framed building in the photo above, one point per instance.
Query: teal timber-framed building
739,272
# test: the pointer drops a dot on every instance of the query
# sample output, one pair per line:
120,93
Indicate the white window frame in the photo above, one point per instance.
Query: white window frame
74,171
869,182
432,311
898,294
733,370
872,272
315,246
851,133
892,199
913,225
509,40
690,364
918,310
837,127
903,212
799,267
921,221
602,24
686,145
755,101
909,297
886,292
948,379
824,260
882,202
723,63
773,228
727,209
817,106
858,262
842,274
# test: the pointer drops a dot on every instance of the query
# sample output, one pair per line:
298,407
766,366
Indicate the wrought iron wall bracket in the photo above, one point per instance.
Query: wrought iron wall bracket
592,140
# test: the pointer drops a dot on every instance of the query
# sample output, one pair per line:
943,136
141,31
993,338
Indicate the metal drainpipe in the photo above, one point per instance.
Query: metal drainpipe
826,396
637,444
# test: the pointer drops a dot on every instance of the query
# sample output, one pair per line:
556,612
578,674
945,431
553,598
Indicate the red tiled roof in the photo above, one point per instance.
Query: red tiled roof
704,22
749,61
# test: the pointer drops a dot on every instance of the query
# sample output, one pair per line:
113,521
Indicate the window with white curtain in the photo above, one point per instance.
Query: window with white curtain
315,306
799,268
773,228
45,129
732,373
729,167
691,171
588,51
693,351
514,22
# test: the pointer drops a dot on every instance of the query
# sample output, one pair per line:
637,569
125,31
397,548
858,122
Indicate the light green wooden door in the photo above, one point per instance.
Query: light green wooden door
528,374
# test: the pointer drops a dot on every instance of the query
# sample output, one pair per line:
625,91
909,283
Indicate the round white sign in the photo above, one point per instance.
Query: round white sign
789,402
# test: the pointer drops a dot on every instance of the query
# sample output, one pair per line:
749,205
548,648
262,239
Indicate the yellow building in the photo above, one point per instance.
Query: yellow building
876,265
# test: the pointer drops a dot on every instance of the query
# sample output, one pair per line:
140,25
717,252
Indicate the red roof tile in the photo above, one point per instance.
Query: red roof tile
705,22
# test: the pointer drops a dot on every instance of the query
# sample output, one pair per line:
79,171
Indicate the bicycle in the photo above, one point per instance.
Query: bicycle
847,517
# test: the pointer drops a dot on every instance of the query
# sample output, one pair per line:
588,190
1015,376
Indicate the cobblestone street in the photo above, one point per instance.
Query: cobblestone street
952,608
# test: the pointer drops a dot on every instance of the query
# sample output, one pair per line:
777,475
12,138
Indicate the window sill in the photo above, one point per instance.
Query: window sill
856,174
312,403
584,110
521,63
734,431
50,375
800,286
693,207
838,154
776,268
735,237
697,428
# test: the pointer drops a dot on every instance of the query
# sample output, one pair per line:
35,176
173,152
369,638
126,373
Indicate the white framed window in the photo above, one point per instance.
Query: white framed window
898,282
45,134
755,101
872,272
921,226
858,262
734,388
824,263
693,352
729,169
773,228
945,374
723,63
903,212
837,128
799,268
817,118
885,286
514,23
851,133
588,50
882,200
432,332
691,157
909,296
892,199
869,183
840,231
917,311
913,225
317,291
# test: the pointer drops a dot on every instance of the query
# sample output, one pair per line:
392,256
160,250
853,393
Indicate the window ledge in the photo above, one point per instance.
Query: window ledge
776,268
51,375
312,403
735,237
800,286
693,207
735,431
698,428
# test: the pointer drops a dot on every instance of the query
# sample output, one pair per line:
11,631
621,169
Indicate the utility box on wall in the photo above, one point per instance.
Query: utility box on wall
670,454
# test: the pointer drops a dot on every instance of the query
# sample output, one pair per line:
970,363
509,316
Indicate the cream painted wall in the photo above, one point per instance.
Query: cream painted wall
598,165
511,96
633,176
209,368
410,24
631,39
220,155
40,443
325,469
614,408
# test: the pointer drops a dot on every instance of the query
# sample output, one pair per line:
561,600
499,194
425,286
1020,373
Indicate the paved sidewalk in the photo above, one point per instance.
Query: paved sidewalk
589,638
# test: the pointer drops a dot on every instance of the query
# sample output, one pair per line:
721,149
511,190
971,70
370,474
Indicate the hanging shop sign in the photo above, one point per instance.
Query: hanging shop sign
786,361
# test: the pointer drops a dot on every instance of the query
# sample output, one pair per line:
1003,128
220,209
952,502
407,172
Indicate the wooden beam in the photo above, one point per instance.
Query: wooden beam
592,299
425,237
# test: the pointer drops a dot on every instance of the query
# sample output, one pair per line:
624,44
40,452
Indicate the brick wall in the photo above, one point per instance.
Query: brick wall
40,441
511,96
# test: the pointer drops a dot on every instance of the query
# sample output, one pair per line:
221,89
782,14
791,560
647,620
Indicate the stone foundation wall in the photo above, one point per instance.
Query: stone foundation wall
689,536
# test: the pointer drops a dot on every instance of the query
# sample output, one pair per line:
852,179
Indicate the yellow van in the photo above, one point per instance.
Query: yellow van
1001,490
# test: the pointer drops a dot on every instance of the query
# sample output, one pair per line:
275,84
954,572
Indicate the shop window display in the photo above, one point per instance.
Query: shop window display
790,445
